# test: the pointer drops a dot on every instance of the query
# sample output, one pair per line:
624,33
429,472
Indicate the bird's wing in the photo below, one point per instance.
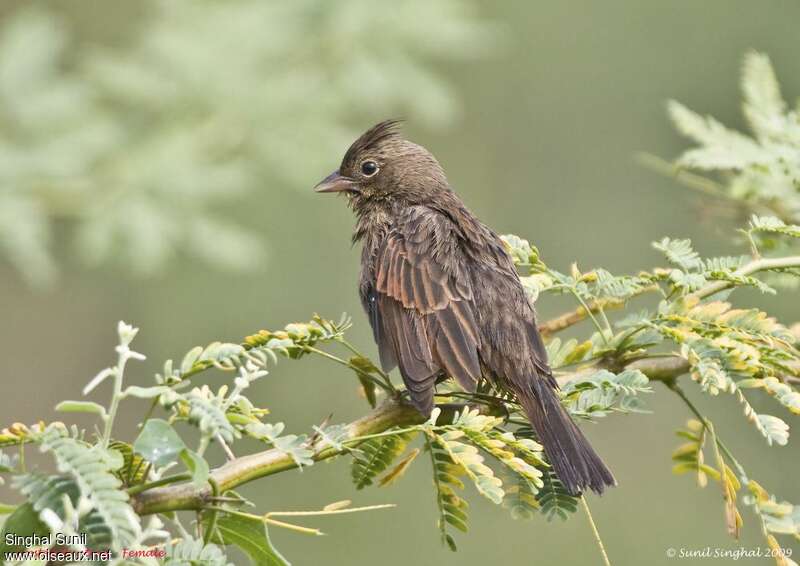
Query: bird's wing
536,350
424,304
369,299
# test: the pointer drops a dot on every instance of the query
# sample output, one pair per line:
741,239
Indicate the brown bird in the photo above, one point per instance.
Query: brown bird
443,296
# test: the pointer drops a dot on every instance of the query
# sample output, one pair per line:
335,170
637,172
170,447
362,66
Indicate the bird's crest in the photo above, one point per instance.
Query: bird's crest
371,138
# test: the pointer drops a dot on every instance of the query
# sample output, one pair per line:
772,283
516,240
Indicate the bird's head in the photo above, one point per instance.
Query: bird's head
383,167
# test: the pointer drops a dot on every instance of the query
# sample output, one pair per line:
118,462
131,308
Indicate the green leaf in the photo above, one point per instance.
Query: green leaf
90,468
81,407
375,456
134,466
158,442
365,366
687,281
206,412
554,499
190,551
519,249
520,497
368,387
251,536
679,252
24,521
197,465
452,508
145,392
763,104
720,148
559,353
7,463
51,492
190,358
773,429
604,392
773,225
114,458
399,469
295,446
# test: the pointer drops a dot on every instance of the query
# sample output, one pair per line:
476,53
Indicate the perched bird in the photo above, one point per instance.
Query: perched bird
444,298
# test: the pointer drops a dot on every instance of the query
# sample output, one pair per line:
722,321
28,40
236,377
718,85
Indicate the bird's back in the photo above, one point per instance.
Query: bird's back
511,347
472,259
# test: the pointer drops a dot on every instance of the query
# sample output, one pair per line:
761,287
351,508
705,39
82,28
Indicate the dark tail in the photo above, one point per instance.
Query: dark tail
573,459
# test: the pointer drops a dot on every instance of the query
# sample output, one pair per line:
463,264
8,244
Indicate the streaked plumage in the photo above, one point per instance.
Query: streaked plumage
443,297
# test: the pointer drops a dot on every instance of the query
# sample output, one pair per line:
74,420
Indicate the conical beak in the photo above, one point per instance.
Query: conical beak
335,183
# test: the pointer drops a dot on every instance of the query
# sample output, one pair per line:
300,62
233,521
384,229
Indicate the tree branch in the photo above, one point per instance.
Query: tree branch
573,317
248,468
754,266
392,413
661,369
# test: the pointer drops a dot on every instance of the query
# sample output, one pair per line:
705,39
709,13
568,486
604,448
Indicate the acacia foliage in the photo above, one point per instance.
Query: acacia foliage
685,317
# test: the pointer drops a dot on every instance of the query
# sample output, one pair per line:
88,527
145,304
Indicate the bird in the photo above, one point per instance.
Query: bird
443,296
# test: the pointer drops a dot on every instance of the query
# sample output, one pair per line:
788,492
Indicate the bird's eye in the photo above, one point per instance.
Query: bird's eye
369,168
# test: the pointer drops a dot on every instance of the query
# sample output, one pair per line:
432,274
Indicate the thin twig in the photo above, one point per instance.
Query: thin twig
150,411
263,519
707,423
754,266
382,373
22,466
386,386
133,490
595,532
438,486
212,521
133,471
589,313
566,320
328,512
691,180
225,448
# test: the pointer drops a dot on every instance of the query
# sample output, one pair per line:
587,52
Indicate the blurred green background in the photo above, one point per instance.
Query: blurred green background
156,165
